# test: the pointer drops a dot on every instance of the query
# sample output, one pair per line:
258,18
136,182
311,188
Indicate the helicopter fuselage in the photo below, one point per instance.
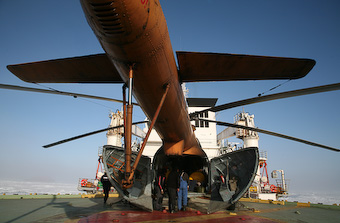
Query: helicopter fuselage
134,33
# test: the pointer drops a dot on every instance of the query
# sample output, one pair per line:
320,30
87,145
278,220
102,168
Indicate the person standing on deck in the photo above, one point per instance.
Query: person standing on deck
172,185
183,191
159,190
106,186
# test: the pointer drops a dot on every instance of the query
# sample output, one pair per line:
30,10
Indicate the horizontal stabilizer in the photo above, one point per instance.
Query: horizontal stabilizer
86,69
195,66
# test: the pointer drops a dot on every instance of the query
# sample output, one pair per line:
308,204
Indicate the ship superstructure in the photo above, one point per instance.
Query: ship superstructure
214,144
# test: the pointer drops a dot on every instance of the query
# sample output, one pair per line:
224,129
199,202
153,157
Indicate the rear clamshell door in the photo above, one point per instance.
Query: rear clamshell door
114,163
230,176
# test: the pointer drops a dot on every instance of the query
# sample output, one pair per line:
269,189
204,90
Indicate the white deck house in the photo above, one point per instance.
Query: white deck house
205,131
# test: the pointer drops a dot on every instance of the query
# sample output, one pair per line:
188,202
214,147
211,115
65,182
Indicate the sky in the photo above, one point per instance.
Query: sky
44,29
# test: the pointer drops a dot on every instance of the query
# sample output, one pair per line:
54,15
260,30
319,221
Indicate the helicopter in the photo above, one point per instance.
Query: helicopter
134,52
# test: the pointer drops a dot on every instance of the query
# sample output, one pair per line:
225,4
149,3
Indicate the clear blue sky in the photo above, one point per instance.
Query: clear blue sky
41,30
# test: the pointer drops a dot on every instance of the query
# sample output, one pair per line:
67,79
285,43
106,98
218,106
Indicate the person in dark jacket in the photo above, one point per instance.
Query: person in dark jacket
106,186
183,190
172,186
159,190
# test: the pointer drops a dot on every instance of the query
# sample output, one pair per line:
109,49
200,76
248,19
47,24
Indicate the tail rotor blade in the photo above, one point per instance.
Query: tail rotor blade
20,88
271,133
88,134
287,94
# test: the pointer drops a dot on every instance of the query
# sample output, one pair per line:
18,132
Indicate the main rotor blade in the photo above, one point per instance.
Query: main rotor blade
271,133
287,94
20,88
88,134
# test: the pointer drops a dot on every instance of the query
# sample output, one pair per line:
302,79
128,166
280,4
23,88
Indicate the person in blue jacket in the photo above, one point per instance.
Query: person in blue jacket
183,191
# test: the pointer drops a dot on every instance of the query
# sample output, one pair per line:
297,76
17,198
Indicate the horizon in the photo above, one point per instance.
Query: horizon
58,29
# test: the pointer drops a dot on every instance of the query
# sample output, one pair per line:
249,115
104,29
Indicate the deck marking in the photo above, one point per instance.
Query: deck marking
188,216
